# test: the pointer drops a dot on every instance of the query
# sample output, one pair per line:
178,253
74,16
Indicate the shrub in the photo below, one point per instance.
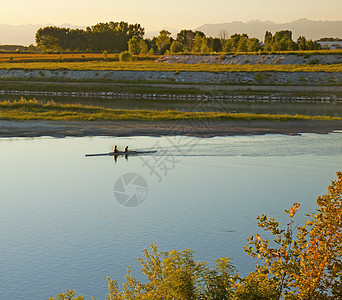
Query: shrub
125,56
176,275
314,61
68,295
258,77
105,55
305,260
176,47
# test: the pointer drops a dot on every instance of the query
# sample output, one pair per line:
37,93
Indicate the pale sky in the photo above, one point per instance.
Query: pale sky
156,14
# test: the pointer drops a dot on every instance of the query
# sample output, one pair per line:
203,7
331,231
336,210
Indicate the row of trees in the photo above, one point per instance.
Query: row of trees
300,262
195,42
121,36
112,36
282,41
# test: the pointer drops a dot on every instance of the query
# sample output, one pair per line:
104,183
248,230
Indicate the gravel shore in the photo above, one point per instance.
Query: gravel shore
188,128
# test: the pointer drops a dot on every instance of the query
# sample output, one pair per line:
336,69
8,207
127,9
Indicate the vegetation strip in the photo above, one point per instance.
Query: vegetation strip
36,110
158,67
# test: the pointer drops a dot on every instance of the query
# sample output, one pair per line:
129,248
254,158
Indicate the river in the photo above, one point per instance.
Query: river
68,221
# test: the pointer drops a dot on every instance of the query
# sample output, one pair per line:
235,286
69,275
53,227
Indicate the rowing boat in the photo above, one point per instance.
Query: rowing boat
119,153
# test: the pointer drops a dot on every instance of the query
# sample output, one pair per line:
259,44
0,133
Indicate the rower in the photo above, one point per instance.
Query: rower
115,150
126,149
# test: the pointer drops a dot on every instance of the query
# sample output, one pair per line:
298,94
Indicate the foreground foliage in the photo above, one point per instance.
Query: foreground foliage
304,262
175,275
299,263
37,110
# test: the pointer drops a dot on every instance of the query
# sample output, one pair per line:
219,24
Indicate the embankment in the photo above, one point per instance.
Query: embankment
191,77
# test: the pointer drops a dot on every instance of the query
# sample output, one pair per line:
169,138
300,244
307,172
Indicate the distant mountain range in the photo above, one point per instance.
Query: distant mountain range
151,34
256,28
25,34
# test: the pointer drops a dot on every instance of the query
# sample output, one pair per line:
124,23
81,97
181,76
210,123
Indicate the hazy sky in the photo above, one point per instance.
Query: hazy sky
155,14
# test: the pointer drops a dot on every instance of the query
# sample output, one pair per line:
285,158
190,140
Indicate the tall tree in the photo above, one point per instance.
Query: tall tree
143,46
52,38
113,36
186,37
134,45
253,45
268,41
163,41
176,47
215,44
282,41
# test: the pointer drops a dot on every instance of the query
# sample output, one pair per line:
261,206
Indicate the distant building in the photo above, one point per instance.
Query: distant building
330,44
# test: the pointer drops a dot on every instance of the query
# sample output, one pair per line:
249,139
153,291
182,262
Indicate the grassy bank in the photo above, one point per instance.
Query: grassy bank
36,110
153,66
120,87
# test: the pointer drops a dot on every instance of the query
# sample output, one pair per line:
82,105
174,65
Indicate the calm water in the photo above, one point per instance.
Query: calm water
329,109
62,227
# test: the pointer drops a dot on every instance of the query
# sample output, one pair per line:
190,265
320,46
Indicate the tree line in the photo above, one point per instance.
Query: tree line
112,36
121,36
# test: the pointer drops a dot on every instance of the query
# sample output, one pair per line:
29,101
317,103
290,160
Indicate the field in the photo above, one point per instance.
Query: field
153,66
95,61
56,57
86,56
36,110
21,57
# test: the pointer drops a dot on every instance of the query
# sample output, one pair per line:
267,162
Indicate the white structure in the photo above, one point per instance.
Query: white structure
331,44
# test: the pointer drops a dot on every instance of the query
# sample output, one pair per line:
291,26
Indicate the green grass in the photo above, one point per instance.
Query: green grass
72,86
153,66
36,110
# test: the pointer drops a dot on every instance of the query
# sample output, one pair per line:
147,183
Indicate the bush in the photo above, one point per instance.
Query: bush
314,61
176,275
105,55
305,260
176,47
125,56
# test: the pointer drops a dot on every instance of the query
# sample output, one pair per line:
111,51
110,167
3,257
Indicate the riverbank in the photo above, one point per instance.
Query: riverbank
33,109
293,75
164,128
163,90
